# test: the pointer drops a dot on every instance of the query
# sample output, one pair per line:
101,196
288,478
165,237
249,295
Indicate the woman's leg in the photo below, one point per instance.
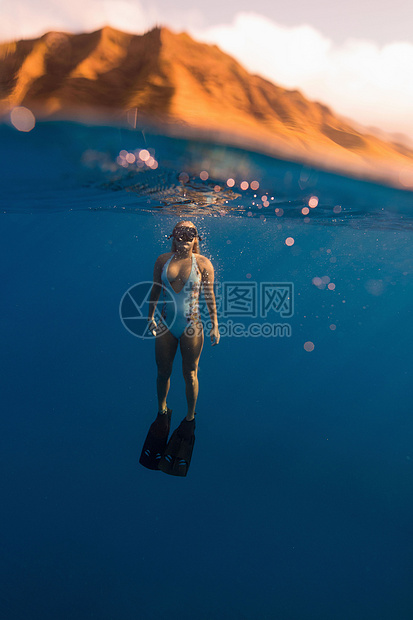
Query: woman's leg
165,350
191,347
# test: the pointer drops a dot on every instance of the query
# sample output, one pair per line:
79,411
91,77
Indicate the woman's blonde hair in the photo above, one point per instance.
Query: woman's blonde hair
188,224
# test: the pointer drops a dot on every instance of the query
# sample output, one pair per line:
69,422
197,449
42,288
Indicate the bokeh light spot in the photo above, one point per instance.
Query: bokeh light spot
184,177
230,182
144,155
313,202
289,241
204,175
22,119
244,185
309,346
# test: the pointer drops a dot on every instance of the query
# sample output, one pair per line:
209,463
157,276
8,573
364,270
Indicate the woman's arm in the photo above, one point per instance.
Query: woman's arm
155,291
208,286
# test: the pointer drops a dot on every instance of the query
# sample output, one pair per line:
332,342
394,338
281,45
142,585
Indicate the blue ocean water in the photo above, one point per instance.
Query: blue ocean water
298,503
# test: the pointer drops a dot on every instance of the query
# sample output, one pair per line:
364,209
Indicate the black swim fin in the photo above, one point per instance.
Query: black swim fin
178,453
156,440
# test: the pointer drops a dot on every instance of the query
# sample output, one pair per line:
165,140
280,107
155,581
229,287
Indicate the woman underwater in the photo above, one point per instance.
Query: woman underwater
179,274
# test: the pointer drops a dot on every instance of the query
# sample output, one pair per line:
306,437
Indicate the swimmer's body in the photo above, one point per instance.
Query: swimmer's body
182,272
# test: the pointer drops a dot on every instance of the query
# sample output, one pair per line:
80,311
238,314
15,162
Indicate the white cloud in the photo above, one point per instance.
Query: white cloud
264,47
25,18
358,79
127,15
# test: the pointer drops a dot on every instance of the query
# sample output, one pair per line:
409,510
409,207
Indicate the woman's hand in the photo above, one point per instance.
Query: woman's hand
152,326
214,335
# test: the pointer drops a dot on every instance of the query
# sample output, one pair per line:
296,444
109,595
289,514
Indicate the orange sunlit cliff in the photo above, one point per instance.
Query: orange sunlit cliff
186,86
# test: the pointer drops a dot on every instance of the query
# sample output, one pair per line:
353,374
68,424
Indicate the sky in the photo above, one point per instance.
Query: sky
356,57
